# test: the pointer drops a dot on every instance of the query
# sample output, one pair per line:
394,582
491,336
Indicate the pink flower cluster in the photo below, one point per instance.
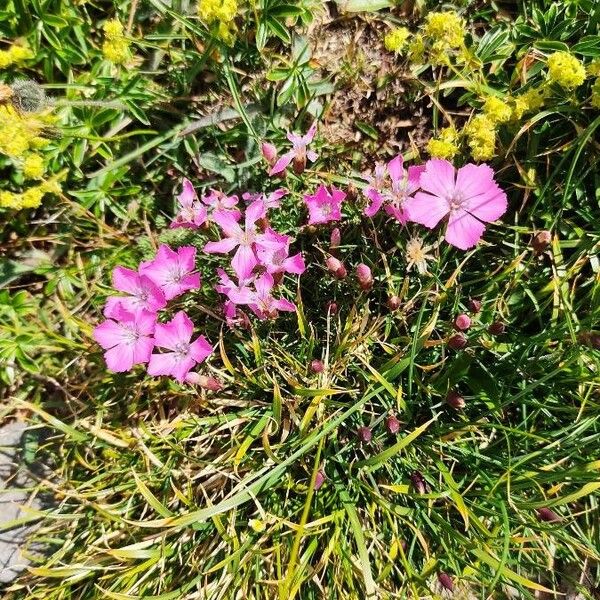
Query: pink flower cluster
131,331
468,197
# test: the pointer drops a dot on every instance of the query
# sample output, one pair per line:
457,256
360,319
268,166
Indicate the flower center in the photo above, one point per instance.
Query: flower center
247,238
456,200
182,349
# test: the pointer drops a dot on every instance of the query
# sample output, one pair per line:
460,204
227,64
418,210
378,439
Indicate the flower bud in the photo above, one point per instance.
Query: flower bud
462,322
497,328
545,514
364,434
392,424
299,164
336,239
458,341
540,241
445,580
418,482
269,152
455,400
474,305
332,308
207,383
394,302
336,268
317,366
364,276
319,479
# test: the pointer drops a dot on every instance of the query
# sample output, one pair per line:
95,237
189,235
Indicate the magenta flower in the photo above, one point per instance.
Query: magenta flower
173,271
237,293
298,153
191,213
218,201
176,336
272,200
144,294
127,338
403,184
274,254
245,259
470,198
263,304
324,206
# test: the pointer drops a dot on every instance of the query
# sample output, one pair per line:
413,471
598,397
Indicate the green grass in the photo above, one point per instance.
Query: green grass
152,487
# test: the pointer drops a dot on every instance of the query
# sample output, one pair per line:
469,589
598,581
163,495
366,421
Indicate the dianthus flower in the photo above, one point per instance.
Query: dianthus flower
142,293
566,70
324,206
192,214
298,154
469,197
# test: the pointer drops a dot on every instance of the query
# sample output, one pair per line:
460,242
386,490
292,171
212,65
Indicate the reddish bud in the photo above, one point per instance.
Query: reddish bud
445,580
474,305
418,482
462,322
545,514
392,424
336,268
207,383
497,328
319,479
332,308
455,400
364,434
317,366
458,341
299,164
364,276
540,241
269,152
336,239
394,302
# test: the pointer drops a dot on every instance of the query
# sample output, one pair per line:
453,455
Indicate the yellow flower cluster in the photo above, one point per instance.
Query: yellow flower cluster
533,99
395,40
20,132
222,12
566,70
14,55
445,27
116,46
445,145
33,167
481,137
29,198
496,110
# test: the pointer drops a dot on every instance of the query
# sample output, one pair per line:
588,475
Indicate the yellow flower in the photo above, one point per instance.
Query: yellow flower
593,68
217,10
116,51
33,166
445,145
113,29
32,197
395,40
566,70
51,186
496,110
14,55
416,49
10,200
446,27
481,137
257,525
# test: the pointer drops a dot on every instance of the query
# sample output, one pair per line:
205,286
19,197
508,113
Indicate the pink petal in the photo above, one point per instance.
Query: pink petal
464,231
472,180
376,202
311,155
114,304
188,193
108,334
182,368
187,257
438,177
119,358
221,247
244,261
200,349
142,349
310,134
183,326
285,305
282,163
162,364
227,222
426,209
400,214
395,168
145,322
294,264
264,284
414,177
166,336
126,280
254,212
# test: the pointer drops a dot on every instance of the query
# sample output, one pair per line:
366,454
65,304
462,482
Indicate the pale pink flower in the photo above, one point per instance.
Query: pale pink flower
237,293
184,354
269,152
245,259
218,200
144,294
273,254
127,338
272,200
173,271
374,191
263,304
470,198
324,206
192,214
298,153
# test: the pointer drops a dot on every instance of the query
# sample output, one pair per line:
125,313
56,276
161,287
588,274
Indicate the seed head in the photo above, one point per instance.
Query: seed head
458,341
392,424
28,96
474,305
540,241
336,267
462,322
269,152
317,366
394,302
364,434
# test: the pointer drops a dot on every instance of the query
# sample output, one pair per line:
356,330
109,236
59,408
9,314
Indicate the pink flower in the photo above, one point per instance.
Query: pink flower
269,152
469,197
273,254
263,304
144,294
324,206
298,153
217,200
237,293
191,213
185,354
173,271
403,185
269,201
245,259
127,338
